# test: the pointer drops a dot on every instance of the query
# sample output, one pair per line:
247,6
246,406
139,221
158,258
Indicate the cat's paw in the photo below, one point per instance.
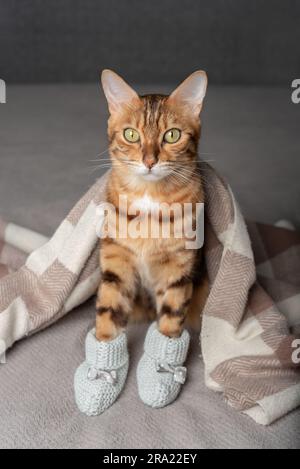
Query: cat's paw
160,372
100,379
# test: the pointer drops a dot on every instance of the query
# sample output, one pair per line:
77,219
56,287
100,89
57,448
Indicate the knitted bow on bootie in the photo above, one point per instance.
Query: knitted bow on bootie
161,373
100,379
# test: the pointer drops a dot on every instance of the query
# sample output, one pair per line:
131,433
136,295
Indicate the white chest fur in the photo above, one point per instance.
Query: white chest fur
145,204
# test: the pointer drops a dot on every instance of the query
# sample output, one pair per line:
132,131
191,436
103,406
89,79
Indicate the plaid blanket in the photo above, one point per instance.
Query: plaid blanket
251,321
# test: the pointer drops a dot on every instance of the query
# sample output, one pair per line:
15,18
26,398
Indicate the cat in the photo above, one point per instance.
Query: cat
153,143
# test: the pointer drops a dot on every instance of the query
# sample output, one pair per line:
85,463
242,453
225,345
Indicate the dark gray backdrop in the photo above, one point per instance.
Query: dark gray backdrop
237,41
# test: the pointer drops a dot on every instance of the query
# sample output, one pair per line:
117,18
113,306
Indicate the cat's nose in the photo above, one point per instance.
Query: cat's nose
149,161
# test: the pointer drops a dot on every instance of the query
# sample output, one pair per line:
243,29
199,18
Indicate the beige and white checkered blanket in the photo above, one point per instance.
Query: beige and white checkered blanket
251,321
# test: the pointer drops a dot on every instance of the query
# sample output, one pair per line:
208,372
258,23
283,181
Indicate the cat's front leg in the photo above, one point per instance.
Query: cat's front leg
101,377
161,371
117,289
174,291
174,305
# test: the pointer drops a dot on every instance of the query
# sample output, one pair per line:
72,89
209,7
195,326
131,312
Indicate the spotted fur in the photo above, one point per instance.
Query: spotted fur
162,267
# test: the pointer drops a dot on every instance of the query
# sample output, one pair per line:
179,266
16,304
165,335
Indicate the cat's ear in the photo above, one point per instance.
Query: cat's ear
191,92
117,92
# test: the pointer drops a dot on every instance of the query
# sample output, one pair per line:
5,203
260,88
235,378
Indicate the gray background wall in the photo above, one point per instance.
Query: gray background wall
237,41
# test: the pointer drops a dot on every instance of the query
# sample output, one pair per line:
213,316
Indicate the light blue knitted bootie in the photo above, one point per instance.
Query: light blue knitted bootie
160,373
100,379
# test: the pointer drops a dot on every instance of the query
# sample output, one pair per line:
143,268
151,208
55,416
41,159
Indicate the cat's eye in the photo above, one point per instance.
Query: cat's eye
131,135
172,136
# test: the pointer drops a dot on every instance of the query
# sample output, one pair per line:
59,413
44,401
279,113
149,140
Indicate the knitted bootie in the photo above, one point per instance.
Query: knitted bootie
160,372
100,379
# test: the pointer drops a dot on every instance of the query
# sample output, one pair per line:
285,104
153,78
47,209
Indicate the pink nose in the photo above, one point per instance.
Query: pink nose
149,162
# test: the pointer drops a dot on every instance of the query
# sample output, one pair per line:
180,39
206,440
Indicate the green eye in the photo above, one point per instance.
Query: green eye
172,136
131,135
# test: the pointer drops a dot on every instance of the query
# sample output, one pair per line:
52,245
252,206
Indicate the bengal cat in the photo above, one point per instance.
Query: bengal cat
153,143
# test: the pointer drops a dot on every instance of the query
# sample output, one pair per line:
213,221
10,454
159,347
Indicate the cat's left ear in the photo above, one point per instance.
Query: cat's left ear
191,92
118,93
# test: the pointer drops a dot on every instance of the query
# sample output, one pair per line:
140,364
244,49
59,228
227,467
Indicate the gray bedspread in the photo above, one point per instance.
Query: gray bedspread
37,407
48,135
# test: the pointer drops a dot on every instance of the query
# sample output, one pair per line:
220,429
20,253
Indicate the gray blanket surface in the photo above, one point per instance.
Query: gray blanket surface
37,408
43,170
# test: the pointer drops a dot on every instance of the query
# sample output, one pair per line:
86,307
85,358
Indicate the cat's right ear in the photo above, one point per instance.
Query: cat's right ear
118,93
191,92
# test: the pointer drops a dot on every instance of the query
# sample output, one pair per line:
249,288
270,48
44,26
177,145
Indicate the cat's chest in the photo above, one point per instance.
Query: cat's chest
145,204
148,224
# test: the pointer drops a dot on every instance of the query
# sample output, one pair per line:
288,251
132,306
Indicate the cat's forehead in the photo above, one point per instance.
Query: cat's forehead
153,102
153,115
154,112
153,109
